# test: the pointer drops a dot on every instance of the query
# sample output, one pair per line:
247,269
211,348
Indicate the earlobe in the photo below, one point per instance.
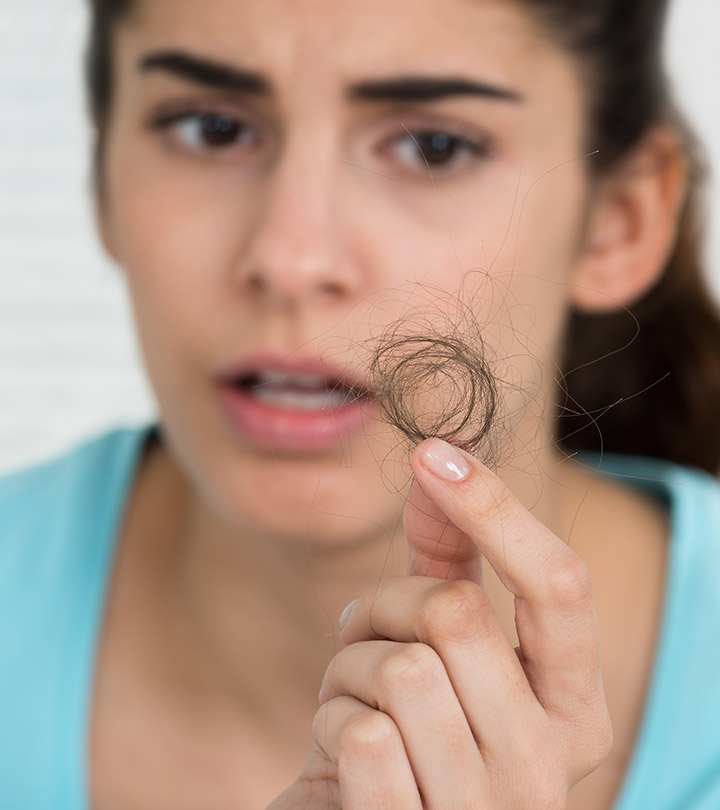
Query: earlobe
633,226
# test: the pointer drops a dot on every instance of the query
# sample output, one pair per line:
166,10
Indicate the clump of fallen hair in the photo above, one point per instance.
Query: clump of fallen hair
431,381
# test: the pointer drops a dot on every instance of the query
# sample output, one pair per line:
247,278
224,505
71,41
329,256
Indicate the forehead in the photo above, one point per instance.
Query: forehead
337,39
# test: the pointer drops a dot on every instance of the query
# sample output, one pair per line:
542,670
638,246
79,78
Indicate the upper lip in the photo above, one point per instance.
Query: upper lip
271,361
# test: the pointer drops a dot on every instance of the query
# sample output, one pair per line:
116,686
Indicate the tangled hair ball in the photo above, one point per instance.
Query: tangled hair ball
431,376
405,364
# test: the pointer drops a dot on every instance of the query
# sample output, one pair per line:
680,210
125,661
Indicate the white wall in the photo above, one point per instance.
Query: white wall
69,363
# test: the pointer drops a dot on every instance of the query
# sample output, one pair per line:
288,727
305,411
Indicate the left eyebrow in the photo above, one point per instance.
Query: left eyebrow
399,89
428,88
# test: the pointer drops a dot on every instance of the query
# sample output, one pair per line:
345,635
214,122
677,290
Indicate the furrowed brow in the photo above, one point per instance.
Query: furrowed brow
429,88
207,72
398,89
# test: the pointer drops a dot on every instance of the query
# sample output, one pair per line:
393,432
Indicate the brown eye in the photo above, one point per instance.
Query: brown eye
435,149
205,131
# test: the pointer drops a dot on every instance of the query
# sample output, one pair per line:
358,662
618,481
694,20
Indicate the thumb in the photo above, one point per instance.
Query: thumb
437,548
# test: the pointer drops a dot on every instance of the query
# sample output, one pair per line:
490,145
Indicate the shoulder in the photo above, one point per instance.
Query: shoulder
78,454
62,496
689,496
657,534
57,520
658,542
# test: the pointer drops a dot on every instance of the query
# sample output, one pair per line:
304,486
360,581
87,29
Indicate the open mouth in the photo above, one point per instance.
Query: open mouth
298,392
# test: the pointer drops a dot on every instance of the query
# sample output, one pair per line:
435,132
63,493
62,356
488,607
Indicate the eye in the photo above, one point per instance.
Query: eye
205,131
437,149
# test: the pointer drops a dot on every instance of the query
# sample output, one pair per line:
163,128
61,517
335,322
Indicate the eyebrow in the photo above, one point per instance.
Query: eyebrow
407,88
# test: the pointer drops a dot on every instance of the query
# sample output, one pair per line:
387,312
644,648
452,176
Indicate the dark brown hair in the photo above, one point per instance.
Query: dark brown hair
645,383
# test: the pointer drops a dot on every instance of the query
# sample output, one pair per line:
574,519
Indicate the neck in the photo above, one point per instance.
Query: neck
252,615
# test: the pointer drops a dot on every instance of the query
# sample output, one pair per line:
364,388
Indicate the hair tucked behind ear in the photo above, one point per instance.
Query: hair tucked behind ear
646,384
660,395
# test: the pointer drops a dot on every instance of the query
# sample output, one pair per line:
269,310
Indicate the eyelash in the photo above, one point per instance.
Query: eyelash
477,150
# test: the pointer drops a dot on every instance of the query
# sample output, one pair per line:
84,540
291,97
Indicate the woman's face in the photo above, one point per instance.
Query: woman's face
308,220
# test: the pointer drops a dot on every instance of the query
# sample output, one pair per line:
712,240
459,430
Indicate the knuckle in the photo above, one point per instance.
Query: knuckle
320,722
369,734
458,610
414,666
569,582
328,678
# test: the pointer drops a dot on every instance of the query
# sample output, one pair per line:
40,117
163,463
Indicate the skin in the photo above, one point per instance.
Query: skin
322,228
519,730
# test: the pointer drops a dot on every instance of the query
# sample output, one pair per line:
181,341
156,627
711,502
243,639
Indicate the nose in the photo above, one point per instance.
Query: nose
291,254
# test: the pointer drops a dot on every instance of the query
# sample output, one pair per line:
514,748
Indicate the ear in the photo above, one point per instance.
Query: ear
632,225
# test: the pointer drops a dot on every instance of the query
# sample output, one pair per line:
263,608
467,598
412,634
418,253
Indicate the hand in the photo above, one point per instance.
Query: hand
428,706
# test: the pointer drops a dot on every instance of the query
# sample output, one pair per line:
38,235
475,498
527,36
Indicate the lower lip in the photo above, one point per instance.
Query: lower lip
277,428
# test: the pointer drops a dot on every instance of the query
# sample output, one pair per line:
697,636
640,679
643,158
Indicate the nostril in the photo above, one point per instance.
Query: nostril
332,288
257,282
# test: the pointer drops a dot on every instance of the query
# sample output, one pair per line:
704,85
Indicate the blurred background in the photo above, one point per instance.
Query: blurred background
69,363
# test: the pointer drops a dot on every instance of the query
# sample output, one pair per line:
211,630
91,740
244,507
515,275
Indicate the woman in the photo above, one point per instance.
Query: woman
282,184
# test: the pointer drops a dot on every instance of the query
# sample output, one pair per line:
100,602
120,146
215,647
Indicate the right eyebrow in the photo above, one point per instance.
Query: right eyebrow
399,89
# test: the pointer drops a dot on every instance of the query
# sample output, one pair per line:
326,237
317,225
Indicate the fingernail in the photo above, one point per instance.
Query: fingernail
444,461
345,615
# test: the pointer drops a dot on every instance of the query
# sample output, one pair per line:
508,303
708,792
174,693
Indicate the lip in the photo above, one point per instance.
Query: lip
273,361
293,430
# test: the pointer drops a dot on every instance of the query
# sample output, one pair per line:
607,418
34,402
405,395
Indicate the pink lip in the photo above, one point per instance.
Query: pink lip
276,428
287,429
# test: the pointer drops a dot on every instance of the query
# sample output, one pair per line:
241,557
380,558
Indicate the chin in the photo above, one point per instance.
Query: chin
334,506
333,498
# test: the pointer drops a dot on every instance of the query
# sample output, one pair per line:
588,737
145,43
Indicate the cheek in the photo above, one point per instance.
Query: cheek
537,270
531,269
167,228
498,258
173,221
546,250
428,246
176,234
503,243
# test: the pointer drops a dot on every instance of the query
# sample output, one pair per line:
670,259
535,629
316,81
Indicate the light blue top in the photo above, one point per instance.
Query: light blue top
59,520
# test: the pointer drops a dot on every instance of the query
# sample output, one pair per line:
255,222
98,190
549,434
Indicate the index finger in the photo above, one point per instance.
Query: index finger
555,616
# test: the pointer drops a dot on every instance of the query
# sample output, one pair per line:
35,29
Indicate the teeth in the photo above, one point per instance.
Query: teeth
322,400
280,378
